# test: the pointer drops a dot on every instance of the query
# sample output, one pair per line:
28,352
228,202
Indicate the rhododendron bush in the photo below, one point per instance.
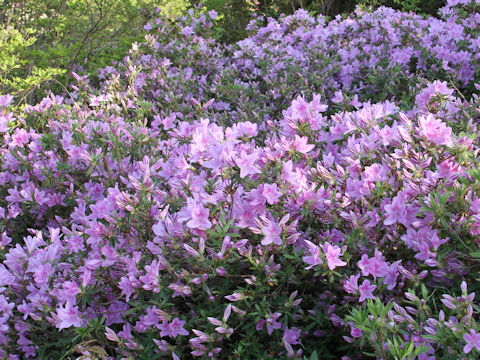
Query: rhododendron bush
311,192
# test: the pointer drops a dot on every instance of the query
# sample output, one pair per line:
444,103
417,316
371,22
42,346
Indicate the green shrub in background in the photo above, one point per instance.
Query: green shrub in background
234,15
41,40
424,7
18,75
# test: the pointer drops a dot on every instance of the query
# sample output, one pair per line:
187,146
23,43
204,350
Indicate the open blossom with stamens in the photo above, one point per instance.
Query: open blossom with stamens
333,253
272,232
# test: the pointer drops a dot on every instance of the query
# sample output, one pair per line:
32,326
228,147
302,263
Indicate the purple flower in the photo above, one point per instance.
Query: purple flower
173,329
396,211
6,277
4,119
5,100
272,233
70,291
148,27
234,297
68,316
333,253
271,193
199,215
126,334
300,144
176,328
179,289
187,31
375,266
314,259
473,341
271,322
435,130
110,334
115,312
125,284
338,97
42,273
355,332
391,275
435,88
246,163
351,285
150,279
364,265
366,291
290,337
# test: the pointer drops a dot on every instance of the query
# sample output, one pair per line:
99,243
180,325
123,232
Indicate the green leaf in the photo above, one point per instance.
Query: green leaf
409,350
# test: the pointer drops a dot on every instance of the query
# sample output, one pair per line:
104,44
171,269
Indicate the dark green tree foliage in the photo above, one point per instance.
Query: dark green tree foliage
41,40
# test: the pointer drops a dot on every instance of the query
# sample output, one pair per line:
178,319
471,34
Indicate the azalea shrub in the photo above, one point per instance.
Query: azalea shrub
378,56
310,192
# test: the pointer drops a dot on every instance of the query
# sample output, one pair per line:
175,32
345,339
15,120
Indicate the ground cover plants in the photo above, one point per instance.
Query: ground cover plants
309,192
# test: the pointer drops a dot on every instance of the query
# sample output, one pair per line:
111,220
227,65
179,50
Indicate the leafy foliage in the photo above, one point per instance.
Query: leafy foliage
42,40
311,191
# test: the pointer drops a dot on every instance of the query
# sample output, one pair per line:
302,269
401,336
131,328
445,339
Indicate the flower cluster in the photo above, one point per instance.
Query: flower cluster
270,199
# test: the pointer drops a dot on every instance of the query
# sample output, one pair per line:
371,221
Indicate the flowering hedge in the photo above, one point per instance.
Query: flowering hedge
311,191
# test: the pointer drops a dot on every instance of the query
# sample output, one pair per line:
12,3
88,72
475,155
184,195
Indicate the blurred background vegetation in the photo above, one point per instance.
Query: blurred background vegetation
42,41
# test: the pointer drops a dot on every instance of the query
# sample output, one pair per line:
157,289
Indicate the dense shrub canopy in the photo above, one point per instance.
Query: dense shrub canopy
42,41
311,191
